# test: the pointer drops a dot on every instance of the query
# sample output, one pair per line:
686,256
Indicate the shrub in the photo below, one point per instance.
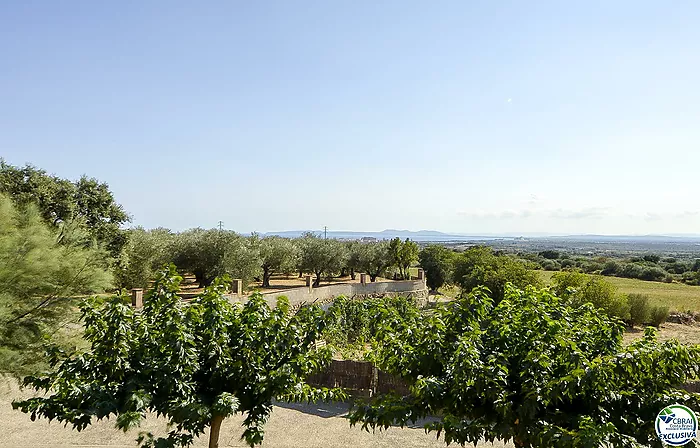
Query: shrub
549,254
567,264
651,258
658,315
550,265
639,309
577,289
653,274
610,268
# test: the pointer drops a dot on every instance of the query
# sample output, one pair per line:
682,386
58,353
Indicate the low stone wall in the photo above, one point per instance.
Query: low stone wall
326,294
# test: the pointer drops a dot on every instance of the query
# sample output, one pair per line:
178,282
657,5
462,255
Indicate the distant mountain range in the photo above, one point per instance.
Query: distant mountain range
433,235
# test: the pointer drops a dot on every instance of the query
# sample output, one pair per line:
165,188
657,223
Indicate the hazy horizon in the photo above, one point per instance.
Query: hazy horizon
463,117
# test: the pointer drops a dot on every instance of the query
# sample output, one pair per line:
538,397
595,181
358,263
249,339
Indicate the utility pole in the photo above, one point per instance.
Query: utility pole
325,232
221,226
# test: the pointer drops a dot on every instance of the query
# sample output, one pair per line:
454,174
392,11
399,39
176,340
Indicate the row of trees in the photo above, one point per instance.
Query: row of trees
212,253
650,267
481,266
531,368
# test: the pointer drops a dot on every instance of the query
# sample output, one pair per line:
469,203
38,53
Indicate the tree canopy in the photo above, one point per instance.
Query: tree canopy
87,201
195,363
403,254
277,255
321,256
38,279
374,258
480,266
438,263
531,370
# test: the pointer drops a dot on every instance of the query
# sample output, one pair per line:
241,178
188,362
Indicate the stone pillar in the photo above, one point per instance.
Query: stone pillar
421,274
364,278
137,298
309,282
237,286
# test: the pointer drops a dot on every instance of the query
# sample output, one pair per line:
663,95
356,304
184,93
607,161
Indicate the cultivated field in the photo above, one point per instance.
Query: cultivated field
677,296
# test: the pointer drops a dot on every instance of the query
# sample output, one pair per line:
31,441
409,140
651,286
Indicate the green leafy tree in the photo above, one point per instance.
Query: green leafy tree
144,254
480,266
195,364
530,370
86,201
322,256
578,288
374,258
39,278
277,255
402,255
355,249
213,253
437,262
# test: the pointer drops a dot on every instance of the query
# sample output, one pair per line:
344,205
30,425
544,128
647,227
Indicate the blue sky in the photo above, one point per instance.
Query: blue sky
471,117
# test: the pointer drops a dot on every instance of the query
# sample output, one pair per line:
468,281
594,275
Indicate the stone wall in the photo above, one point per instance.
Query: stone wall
326,294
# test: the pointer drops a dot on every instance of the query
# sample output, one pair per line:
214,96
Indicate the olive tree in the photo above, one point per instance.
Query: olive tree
322,256
354,257
212,253
195,364
277,255
530,370
374,258
143,255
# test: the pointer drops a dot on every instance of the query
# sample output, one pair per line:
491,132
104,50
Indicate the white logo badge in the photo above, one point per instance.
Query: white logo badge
676,425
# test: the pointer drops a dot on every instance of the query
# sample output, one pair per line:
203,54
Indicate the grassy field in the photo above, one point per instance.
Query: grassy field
677,296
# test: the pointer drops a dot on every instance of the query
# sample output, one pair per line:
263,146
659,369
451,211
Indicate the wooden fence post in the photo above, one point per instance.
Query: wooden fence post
137,298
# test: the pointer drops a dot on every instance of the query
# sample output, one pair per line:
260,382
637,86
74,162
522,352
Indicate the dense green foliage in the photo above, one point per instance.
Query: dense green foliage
529,369
212,253
86,202
145,253
194,363
438,263
374,258
480,266
402,254
277,255
577,288
640,310
649,267
38,279
353,323
321,256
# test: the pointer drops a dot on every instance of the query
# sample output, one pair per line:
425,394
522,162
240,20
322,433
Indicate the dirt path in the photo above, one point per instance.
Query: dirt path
289,427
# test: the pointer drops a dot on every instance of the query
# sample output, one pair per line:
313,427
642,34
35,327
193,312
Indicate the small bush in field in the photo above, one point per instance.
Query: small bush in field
658,315
639,309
